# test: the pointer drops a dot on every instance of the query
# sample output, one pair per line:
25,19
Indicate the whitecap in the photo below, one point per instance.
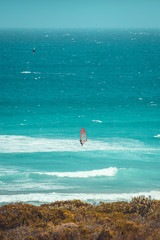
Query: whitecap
157,136
97,121
84,174
26,72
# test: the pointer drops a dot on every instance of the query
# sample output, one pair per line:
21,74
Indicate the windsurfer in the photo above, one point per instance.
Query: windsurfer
83,136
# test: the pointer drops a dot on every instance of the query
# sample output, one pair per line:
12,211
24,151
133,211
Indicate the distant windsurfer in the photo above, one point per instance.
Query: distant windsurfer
83,136
34,50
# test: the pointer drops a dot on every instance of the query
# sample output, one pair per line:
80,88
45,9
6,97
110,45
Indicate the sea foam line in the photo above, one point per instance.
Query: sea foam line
24,144
36,198
83,174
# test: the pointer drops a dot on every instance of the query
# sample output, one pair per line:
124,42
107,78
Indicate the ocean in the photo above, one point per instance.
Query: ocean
106,81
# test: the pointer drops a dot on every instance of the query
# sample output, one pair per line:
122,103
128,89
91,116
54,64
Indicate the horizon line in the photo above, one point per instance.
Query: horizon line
79,28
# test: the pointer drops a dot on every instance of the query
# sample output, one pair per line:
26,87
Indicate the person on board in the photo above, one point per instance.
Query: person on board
34,50
83,136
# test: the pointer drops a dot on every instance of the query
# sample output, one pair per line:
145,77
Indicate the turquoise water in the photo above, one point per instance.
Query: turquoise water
107,82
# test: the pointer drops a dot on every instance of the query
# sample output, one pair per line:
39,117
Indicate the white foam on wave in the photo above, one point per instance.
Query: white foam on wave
23,144
83,174
90,197
97,121
26,72
157,136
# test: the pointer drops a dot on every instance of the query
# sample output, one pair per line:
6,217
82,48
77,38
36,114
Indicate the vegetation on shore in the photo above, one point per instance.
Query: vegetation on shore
76,220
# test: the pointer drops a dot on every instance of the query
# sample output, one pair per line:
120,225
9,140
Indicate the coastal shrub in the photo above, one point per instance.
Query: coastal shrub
31,238
106,234
2,236
141,205
31,215
75,220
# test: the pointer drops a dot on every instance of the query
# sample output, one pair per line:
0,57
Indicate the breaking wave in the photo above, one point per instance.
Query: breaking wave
39,198
83,174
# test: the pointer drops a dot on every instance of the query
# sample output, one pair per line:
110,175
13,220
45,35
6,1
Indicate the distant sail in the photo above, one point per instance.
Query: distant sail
83,136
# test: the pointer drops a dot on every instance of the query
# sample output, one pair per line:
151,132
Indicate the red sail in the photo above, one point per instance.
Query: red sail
83,136
82,130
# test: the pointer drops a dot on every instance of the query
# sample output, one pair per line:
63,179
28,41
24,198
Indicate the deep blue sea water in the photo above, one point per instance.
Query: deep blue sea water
106,81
